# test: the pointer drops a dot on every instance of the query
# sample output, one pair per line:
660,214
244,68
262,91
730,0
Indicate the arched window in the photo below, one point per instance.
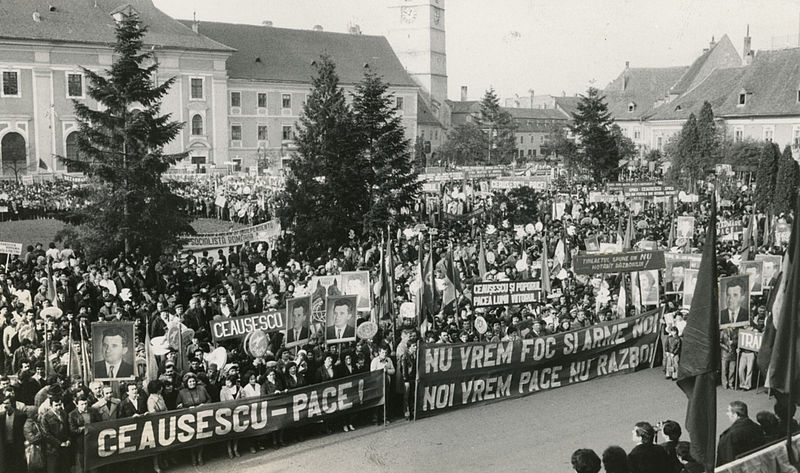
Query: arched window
13,154
72,150
197,125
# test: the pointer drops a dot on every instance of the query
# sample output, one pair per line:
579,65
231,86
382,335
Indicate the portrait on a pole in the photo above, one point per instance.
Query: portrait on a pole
340,323
113,350
298,313
734,301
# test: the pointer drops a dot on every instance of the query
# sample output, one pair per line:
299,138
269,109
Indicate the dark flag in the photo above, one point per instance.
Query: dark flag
783,375
697,368
42,165
482,259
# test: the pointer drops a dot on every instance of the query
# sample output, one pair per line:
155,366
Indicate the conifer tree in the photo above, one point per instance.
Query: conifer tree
686,168
766,174
786,183
708,143
120,148
499,128
597,149
392,181
328,184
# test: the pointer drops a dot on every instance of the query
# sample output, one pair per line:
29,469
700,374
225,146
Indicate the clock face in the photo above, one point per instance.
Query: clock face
408,14
437,16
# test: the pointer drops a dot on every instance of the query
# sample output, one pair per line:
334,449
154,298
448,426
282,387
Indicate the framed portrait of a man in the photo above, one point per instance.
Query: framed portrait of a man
675,276
734,301
689,282
298,321
754,270
644,286
770,269
113,350
340,325
356,283
684,227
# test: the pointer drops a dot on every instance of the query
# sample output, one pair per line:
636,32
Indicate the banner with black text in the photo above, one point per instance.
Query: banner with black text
450,376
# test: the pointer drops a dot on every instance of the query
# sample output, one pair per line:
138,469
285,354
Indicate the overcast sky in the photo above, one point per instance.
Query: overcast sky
546,45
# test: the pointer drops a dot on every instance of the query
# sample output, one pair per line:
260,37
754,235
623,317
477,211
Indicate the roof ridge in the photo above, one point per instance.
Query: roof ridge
284,28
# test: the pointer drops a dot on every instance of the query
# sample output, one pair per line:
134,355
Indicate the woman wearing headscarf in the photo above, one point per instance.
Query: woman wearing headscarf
193,394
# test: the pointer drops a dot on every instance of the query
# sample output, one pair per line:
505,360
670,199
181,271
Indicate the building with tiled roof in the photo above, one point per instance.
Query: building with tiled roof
533,125
759,101
44,44
269,78
635,94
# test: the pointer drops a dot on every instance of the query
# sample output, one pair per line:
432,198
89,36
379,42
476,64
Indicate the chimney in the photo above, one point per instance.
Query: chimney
317,28
712,43
625,76
463,93
531,91
747,52
355,29
267,23
195,24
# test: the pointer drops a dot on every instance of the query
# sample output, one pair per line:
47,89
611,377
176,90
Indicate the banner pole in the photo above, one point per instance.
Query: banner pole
384,395
416,379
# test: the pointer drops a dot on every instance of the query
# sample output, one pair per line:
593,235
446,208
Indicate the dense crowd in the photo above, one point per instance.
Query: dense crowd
51,400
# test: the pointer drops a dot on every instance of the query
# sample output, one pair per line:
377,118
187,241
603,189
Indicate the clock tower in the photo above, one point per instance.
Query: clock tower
417,36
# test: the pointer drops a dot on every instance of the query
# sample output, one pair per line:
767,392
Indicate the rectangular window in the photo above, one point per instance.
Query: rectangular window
74,85
742,99
738,135
399,103
236,132
286,101
768,134
262,100
262,132
197,92
796,137
286,133
637,134
10,81
236,99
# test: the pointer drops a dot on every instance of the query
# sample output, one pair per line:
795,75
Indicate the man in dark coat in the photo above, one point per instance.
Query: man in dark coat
132,405
742,436
12,439
647,457
55,429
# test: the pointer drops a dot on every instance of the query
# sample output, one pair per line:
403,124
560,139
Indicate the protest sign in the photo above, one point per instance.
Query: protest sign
260,232
618,262
750,340
431,187
458,375
489,294
783,231
237,327
10,248
641,190
128,439
684,227
533,182
729,230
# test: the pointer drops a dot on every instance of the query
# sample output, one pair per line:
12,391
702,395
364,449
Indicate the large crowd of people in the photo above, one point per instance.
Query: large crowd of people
51,400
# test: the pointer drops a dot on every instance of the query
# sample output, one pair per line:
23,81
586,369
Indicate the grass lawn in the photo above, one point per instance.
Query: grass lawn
29,232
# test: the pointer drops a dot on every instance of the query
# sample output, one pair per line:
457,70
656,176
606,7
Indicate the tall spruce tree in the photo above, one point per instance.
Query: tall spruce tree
766,175
786,183
597,149
708,143
120,148
686,168
499,128
327,188
392,181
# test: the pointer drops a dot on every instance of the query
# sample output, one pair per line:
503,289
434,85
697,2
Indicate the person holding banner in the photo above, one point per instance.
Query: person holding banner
192,395
56,434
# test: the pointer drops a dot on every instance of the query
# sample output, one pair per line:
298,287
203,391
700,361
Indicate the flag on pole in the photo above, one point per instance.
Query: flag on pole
446,268
697,368
626,244
782,374
482,259
546,289
622,302
671,239
151,370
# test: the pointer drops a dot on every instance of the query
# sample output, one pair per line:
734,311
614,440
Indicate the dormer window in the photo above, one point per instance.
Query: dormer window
798,95
742,98
123,12
631,107
678,108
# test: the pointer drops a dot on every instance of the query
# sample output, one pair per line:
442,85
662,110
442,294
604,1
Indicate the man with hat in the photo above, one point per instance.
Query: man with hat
242,306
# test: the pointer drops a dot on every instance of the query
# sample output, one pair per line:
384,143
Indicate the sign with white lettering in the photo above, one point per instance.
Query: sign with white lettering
128,439
489,294
457,375
237,327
